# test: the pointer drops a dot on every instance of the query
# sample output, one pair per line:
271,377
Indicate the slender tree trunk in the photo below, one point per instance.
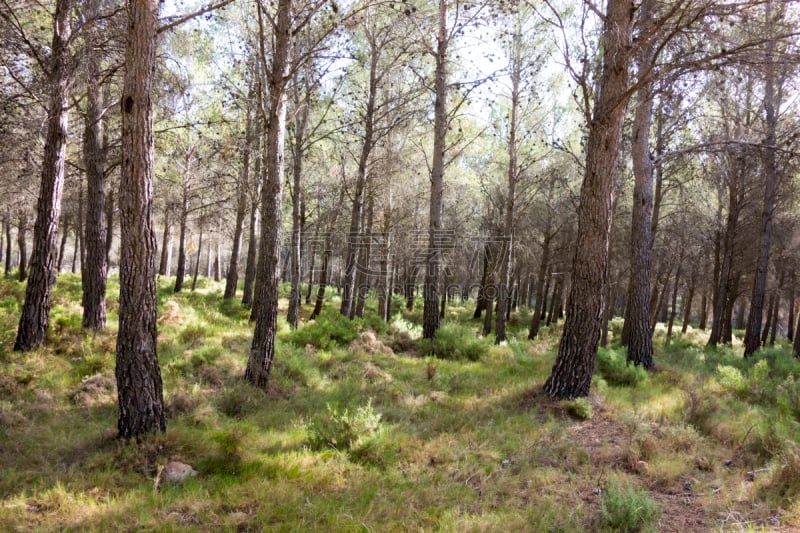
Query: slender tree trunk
481,300
771,103
541,295
109,226
572,371
22,247
197,259
362,280
262,350
94,271
63,248
139,387
217,261
384,279
252,256
770,307
790,324
36,308
773,328
184,222
507,252
165,244
674,305
433,265
687,303
7,269
727,312
311,264
232,279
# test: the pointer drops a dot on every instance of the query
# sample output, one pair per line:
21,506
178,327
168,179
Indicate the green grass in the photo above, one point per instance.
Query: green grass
362,428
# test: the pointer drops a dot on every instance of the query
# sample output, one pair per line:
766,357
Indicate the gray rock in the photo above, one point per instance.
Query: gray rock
177,472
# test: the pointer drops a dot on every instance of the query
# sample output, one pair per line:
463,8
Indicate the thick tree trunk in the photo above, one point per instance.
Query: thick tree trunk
433,264
577,351
36,308
637,336
262,350
94,271
139,387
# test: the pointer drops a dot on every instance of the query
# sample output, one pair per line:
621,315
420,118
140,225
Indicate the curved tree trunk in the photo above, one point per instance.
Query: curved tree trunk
36,308
139,387
577,351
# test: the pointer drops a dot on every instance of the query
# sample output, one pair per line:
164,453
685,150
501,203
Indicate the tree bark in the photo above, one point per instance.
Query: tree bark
180,274
139,387
36,308
232,279
572,371
362,279
298,211
94,272
771,102
166,243
637,336
262,350
7,268
687,303
109,226
433,263
63,248
197,259
22,247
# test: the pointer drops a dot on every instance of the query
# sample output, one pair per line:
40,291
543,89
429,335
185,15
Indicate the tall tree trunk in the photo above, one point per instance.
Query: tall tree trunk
355,238
36,308
773,327
770,307
311,264
637,336
262,350
232,279
139,387
771,102
384,281
217,261
507,251
180,274
79,253
433,264
94,271
577,351
481,300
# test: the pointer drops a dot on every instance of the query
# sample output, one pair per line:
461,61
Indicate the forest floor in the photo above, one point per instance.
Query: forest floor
360,431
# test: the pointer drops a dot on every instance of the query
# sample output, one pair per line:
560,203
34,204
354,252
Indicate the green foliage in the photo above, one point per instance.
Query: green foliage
612,365
453,341
628,508
344,430
192,334
579,408
731,379
330,329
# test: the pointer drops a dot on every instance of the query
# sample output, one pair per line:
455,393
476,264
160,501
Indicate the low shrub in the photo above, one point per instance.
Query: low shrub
453,341
344,430
614,368
580,408
628,509
329,330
